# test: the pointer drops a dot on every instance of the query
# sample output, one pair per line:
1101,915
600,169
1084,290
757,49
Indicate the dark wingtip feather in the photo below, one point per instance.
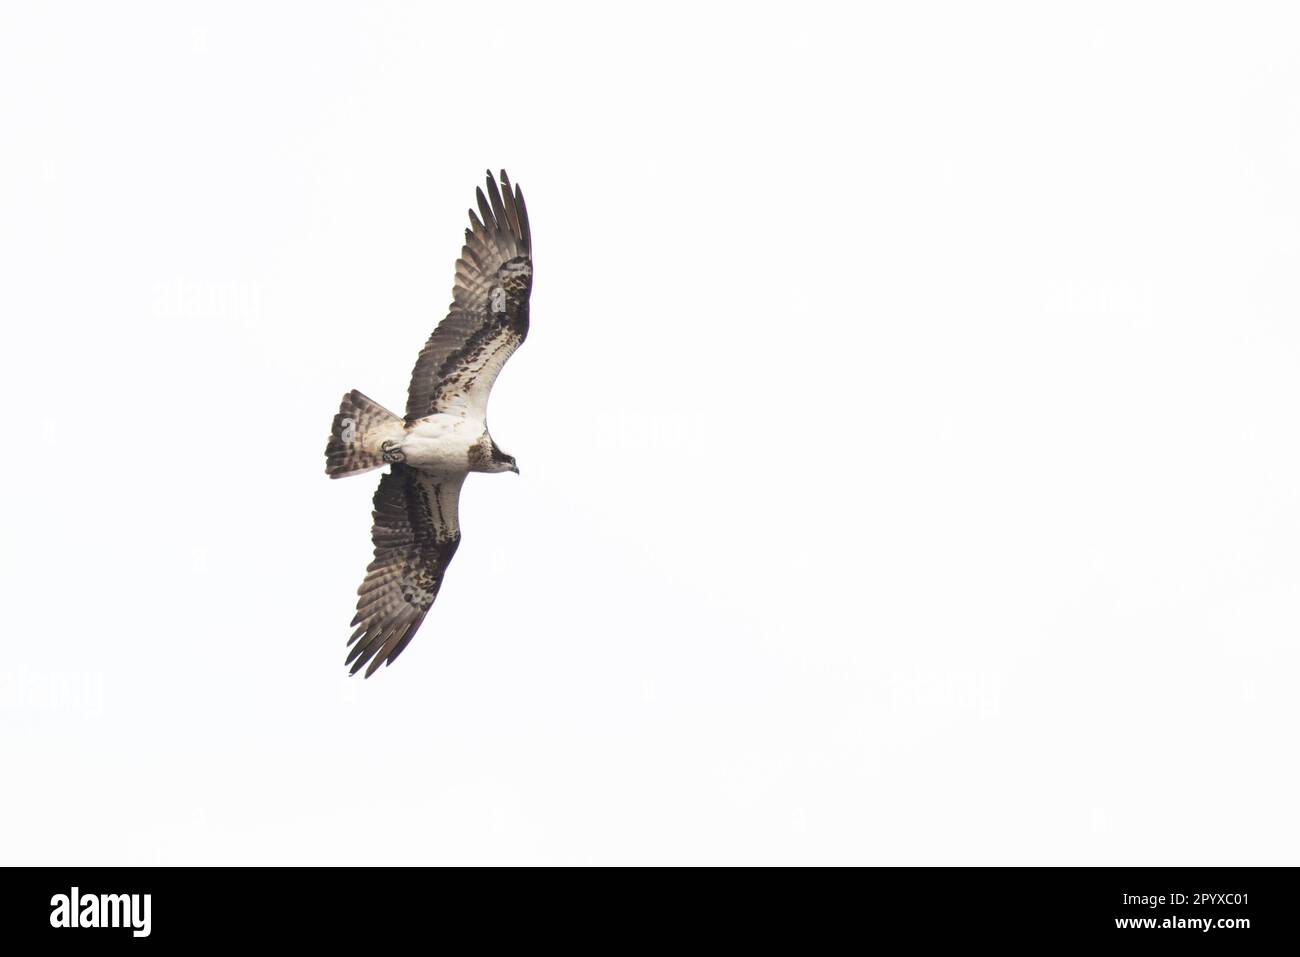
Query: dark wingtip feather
522,210
512,208
485,210
498,207
356,651
401,645
375,664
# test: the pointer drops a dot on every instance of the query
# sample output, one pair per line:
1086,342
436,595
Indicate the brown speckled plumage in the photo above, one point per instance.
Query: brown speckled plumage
488,317
415,536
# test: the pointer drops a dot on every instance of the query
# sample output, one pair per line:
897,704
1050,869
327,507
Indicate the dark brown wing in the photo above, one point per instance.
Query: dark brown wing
416,532
488,318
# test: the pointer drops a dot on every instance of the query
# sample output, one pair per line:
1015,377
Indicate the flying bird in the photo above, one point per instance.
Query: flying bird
444,434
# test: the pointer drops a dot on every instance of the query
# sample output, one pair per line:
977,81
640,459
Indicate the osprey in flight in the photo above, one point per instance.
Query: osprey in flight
444,435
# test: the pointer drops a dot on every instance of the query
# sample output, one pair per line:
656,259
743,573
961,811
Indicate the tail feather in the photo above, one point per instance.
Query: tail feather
357,438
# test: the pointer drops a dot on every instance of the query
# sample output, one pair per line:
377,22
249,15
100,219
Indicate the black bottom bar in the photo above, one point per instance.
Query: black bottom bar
1229,908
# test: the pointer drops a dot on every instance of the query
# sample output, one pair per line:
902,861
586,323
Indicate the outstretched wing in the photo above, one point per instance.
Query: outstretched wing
416,532
488,317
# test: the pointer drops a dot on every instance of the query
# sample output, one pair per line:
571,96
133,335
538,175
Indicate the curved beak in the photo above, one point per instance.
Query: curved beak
514,468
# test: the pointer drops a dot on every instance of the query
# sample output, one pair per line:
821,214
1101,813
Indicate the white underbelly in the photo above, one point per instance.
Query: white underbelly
440,443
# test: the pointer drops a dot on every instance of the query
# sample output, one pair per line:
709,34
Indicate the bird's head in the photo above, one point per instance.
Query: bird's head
486,456
501,462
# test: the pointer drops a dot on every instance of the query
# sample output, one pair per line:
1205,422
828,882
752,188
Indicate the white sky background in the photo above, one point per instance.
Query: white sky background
908,430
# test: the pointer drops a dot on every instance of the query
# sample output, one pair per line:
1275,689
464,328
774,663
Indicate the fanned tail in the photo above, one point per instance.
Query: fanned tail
364,436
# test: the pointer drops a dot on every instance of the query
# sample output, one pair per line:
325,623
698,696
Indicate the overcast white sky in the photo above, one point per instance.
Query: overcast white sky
907,431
